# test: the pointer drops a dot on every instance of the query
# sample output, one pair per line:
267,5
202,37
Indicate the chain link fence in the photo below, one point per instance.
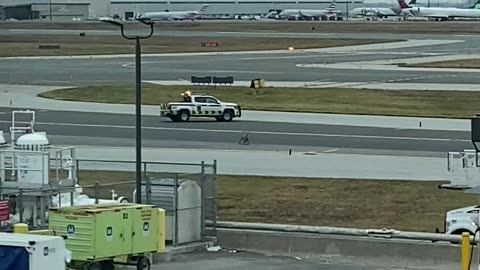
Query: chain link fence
187,192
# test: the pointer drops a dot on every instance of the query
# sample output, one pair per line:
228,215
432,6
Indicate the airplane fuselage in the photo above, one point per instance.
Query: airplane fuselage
171,15
443,12
371,11
304,12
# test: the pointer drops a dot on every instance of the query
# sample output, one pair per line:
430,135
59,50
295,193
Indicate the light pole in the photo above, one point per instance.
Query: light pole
138,100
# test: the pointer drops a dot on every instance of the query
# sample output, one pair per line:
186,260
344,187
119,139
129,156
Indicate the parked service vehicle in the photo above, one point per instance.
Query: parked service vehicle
462,220
33,252
200,106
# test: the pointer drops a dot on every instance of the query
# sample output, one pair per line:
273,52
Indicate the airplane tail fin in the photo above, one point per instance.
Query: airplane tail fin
403,5
271,14
333,5
332,9
204,8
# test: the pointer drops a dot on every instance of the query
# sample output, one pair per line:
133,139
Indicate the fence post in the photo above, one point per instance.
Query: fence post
147,184
20,205
96,192
175,210
78,171
42,211
203,206
71,195
214,195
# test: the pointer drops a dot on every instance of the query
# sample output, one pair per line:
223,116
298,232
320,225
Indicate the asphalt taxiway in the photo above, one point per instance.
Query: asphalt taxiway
276,67
117,130
358,149
280,65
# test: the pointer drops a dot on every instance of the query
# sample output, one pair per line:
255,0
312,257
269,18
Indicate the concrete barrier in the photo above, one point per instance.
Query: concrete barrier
392,253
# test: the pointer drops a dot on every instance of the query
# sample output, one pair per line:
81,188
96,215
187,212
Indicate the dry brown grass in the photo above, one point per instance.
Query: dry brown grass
76,45
403,205
277,26
467,63
450,104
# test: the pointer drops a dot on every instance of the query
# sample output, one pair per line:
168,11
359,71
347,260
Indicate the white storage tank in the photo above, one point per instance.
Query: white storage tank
183,208
32,162
3,142
33,252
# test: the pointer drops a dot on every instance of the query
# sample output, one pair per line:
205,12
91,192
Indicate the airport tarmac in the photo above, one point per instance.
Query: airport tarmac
118,130
278,66
391,150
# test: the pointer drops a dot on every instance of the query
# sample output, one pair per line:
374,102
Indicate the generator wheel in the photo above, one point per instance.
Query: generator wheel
92,266
107,265
143,263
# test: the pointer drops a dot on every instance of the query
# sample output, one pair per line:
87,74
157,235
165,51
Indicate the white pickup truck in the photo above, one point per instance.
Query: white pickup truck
200,106
462,220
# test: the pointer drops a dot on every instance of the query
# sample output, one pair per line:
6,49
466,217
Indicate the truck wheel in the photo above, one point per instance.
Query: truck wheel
143,263
183,116
227,116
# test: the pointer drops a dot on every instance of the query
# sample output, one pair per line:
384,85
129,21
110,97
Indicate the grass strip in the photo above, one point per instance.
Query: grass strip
441,104
92,45
466,63
402,205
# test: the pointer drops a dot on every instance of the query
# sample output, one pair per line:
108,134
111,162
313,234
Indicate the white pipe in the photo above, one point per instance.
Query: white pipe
377,233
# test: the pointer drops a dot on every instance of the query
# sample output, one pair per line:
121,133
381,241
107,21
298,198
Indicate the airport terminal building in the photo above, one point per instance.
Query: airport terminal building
68,10
57,10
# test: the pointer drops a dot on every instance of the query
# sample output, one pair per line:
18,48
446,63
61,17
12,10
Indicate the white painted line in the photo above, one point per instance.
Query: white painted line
331,150
249,132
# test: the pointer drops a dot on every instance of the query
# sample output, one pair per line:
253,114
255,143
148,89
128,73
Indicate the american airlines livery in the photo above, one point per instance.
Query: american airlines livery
331,11
439,13
173,15
380,12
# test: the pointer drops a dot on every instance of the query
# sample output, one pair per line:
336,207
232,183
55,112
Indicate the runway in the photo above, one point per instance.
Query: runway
114,130
280,66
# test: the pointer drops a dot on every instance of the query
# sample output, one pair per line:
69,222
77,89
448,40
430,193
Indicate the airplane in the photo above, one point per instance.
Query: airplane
329,12
374,12
173,15
440,14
